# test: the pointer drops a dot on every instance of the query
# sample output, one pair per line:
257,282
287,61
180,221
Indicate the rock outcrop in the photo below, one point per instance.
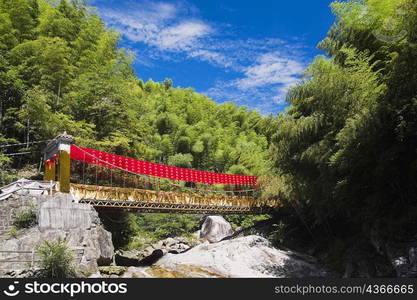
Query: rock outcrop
61,218
152,253
127,258
215,228
250,256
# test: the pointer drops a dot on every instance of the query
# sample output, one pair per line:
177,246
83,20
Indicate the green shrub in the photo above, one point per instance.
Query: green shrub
162,226
140,242
5,177
26,218
56,260
277,234
121,224
14,232
244,221
149,228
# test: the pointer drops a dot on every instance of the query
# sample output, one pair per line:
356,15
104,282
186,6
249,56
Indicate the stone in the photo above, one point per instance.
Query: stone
152,253
95,275
112,270
153,258
249,256
91,244
105,248
215,228
169,242
60,212
15,204
128,258
150,249
134,272
181,240
158,245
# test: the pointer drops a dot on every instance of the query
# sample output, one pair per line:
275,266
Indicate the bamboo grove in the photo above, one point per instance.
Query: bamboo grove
343,156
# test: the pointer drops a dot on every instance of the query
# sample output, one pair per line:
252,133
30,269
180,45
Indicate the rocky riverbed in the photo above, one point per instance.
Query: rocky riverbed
215,251
205,255
247,257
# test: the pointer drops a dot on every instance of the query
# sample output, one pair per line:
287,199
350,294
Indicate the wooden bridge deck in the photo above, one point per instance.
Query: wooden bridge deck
168,201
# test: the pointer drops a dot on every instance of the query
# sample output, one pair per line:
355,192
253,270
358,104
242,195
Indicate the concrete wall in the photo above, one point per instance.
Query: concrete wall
61,212
54,212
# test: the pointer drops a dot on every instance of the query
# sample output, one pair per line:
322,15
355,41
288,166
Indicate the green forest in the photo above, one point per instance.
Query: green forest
61,69
342,159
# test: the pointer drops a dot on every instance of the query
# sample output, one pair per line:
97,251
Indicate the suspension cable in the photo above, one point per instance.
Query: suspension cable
19,153
23,144
144,176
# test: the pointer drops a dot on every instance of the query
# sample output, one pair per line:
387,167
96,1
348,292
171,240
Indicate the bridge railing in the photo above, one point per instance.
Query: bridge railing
29,258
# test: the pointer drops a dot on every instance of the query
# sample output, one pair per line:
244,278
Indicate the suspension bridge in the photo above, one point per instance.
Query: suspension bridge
103,179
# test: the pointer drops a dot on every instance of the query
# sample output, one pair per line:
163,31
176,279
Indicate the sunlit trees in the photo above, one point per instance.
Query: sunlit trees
345,153
62,69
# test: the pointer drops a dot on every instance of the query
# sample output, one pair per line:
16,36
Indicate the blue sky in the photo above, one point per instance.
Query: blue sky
248,52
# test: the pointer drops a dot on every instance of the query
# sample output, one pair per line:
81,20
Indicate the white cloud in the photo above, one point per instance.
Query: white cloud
264,68
271,68
264,100
267,81
157,24
213,57
182,36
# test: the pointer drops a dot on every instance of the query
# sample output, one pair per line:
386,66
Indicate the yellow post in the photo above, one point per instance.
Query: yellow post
49,173
64,171
61,147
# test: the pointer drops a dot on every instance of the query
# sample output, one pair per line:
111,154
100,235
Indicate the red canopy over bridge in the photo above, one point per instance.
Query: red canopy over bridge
108,160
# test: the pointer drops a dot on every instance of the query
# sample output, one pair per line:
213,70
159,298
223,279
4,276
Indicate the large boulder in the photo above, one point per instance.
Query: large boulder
59,218
215,228
250,256
96,243
91,248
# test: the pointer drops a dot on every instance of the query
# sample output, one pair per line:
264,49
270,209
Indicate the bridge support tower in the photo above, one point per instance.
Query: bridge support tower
57,161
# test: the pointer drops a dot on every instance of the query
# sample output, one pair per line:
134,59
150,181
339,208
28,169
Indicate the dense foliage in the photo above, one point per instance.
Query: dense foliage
342,159
56,260
150,228
61,69
244,221
345,152
138,231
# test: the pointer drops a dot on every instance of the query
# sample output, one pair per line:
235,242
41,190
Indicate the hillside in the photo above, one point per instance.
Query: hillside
342,159
61,69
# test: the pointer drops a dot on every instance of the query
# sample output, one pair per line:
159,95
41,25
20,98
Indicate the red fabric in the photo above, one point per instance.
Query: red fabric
50,162
157,170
